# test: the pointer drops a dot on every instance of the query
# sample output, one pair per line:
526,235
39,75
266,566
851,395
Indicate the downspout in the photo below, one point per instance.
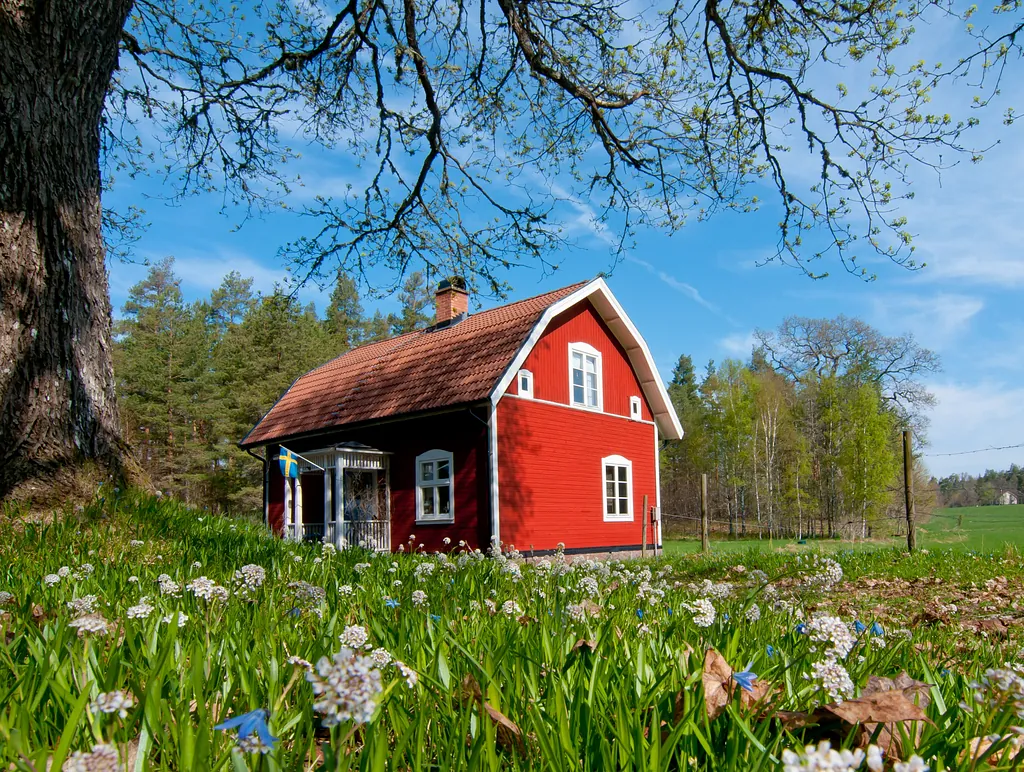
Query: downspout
492,464
266,493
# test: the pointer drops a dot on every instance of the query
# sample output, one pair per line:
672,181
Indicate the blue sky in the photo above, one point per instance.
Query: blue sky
700,291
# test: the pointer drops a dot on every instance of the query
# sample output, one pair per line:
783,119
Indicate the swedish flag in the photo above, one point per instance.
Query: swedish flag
289,463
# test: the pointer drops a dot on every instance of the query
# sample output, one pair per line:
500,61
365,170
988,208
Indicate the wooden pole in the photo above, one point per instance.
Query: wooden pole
643,530
704,545
908,490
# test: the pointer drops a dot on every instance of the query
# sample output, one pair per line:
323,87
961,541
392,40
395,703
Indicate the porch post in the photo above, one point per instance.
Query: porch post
339,499
327,501
298,507
287,525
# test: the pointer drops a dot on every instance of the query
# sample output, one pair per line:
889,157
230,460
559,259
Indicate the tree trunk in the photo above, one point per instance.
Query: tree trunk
57,408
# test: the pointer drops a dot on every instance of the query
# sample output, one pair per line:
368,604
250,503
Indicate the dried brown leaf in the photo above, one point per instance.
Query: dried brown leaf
717,680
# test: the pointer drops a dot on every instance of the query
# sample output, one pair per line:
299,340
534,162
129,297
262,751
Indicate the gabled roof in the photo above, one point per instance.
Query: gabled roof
423,370
468,362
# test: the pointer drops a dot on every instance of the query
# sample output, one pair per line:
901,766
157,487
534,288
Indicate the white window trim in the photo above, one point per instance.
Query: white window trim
587,349
526,393
435,455
617,461
636,409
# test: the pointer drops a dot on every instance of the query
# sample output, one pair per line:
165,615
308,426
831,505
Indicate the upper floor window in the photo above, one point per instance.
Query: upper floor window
584,376
526,384
634,408
435,475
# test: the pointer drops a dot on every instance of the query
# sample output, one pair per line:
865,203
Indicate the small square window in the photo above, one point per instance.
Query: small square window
526,384
634,408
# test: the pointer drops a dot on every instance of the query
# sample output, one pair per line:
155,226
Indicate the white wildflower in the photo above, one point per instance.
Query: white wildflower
588,586
832,631
381,657
822,758
345,589
354,636
511,608
753,613
136,543
84,605
90,623
141,610
346,687
51,579
249,578
113,702
168,586
915,764
207,589
299,662
419,598
102,758
703,612
410,675
6,598
63,572
182,618
833,678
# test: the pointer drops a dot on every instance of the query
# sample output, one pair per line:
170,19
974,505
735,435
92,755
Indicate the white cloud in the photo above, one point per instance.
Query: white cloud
680,286
738,344
970,417
936,320
201,273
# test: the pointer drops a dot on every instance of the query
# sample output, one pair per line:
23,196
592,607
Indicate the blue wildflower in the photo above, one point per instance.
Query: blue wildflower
639,613
247,724
745,680
859,626
801,629
670,611
770,650
435,617
876,629
294,612
725,617
391,603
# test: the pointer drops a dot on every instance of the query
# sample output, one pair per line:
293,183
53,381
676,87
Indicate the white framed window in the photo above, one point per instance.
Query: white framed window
435,481
585,376
525,384
634,408
617,481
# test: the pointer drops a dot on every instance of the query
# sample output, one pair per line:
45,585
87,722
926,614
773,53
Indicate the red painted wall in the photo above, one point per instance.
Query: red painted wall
551,477
460,432
549,362
275,491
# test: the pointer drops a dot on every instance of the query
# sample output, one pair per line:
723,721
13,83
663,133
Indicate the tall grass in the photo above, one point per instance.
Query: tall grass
505,664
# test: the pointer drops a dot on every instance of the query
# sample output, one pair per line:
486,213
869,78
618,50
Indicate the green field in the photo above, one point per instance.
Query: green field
969,528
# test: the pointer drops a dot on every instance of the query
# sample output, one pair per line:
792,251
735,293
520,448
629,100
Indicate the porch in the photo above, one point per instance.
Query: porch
341,496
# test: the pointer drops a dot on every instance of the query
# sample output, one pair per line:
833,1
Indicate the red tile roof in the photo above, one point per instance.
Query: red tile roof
422,370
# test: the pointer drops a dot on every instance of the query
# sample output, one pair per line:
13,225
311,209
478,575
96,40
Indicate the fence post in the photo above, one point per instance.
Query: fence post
704,546
908,490
643,529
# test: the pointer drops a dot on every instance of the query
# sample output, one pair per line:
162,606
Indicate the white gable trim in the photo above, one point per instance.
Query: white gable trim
625,332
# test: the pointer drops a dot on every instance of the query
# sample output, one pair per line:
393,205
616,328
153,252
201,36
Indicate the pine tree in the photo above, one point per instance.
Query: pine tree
415,299
343,318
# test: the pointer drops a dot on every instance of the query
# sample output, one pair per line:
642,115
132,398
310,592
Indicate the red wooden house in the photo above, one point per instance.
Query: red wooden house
536,423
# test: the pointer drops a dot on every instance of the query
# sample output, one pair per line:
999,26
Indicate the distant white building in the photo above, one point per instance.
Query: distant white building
1007,497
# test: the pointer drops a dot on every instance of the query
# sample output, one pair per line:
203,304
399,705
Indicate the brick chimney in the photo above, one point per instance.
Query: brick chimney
451,300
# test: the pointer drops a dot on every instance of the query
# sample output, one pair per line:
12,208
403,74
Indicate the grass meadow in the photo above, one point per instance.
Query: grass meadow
966,528
138,634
